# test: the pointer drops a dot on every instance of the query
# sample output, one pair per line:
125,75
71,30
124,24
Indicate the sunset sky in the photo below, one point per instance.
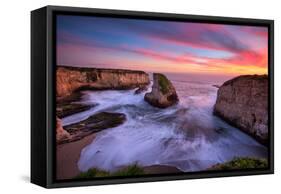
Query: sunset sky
161,46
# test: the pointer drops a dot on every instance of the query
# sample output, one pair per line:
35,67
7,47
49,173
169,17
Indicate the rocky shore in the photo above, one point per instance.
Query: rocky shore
71,139
72,80
243,102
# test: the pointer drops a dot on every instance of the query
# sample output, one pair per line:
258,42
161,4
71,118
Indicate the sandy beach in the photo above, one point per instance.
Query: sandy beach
68,155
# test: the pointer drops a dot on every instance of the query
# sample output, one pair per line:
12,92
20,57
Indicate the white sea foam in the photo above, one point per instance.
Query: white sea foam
186,135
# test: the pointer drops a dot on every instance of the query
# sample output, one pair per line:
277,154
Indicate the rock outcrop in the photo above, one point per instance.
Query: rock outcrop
163,93
93,124
70,79
243,102
72,108
71,105
61,134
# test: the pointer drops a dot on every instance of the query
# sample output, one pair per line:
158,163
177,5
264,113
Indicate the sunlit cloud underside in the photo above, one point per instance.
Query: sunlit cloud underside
161,46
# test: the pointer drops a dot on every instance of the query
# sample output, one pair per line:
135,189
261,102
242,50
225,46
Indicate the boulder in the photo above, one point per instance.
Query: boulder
243,102
61,134
163,93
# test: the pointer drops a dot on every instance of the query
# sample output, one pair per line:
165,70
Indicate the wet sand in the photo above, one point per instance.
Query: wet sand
68,155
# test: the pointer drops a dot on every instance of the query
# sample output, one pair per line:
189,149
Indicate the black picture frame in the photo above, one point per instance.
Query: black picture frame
43,99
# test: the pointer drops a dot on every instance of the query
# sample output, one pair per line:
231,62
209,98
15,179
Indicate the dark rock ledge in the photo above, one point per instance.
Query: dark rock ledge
93,124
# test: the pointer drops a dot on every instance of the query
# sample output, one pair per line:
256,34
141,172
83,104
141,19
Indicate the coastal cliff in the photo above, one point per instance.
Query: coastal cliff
243,102
70,79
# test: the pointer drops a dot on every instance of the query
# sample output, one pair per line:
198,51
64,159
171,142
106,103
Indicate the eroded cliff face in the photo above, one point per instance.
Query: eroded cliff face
243,102
70,79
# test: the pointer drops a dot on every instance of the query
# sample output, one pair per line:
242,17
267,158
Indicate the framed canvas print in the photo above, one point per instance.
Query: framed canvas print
125,96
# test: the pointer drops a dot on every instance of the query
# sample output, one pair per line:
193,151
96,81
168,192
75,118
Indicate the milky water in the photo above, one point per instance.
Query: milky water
186,135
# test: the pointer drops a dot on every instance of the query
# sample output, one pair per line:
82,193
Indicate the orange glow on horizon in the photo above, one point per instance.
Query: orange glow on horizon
207,49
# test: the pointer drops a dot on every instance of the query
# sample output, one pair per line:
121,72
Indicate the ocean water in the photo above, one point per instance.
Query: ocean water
187,135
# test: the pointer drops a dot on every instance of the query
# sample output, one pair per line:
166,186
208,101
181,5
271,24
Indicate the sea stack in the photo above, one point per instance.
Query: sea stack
243,102
163,93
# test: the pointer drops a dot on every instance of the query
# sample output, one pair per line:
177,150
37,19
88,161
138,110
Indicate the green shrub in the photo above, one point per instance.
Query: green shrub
241,163
131,170
163,83
93,172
